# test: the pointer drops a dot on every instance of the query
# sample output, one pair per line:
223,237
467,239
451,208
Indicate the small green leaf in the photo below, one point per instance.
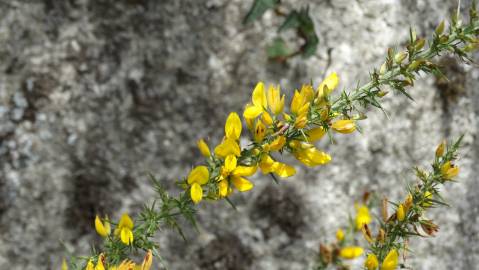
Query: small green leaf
258,8
278,49
291,21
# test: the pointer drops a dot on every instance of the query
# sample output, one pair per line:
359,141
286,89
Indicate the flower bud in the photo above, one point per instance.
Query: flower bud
351,252
381,236
325,253
440,28
440,149
339,235
384,209
429,227
399,57
383,68
419,44
371,262
408,202
400,213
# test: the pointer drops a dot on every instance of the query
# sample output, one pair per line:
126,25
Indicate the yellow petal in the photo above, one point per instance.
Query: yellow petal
126,236
340,235
315,134
297,102
331,82
233,126
283,170
147,261
244,171
363,217
275,101
391,260
277,143
371,262
199,175
350,252
344,126
252,111
259,97
266,164
102,229
400,214
228,147
90,265
196,193
259,131
64,265
204,149
428,196
125,221
99,263
241,184
223,188
230,163
310,156
267,118
307,92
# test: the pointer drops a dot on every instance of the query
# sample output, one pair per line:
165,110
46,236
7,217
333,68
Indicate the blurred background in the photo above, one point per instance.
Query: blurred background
95,93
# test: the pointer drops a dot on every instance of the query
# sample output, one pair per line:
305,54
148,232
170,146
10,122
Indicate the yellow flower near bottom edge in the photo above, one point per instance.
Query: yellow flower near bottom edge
391,260
351,252
371,262
64,264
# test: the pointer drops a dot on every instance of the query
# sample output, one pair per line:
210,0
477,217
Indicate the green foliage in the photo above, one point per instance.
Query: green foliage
258,8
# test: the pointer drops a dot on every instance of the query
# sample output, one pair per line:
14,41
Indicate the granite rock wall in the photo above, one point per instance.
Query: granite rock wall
95,93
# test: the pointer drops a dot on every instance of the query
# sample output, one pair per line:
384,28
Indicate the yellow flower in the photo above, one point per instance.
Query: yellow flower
440,149
428,196
307,154
204,149
371,262
269,165
277,143
259,131
147,261
400,213
328,85
90,265
391,260
124,229
275,100
231,172
362,217
102,228
267,118
64,264
198,177
315,134
449,171
344,126
228,147
259,102
233,126
351,252
99,264
339,235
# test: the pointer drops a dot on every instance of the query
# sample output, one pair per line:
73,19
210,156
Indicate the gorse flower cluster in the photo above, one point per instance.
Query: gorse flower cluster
394,230
279,126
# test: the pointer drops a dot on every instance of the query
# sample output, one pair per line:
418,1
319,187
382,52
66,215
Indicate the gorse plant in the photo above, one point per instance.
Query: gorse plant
276,129
394,231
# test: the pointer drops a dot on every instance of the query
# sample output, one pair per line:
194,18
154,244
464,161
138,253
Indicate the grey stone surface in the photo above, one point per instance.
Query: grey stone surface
94,93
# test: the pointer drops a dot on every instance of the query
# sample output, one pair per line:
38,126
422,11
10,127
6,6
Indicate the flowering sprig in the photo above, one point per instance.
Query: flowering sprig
275,130
394,230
